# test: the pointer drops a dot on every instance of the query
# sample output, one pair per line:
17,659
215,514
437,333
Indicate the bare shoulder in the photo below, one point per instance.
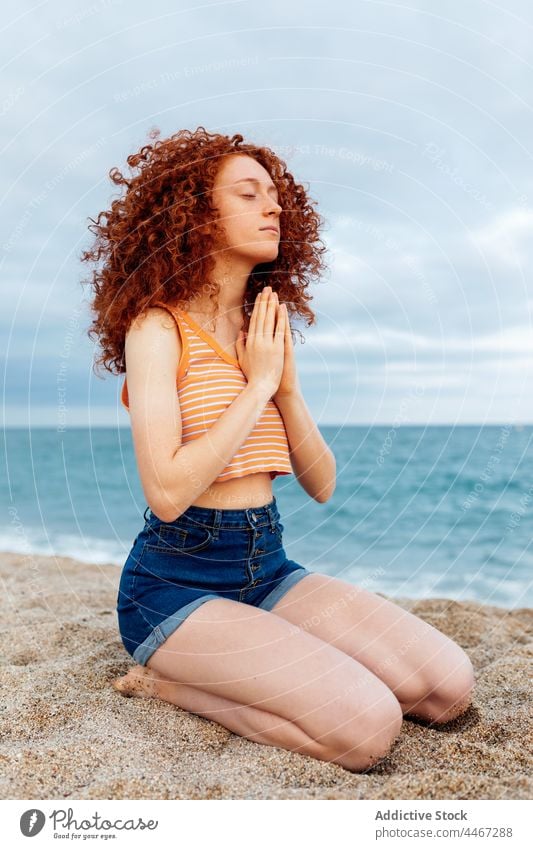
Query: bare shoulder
152,351
151,335
150,322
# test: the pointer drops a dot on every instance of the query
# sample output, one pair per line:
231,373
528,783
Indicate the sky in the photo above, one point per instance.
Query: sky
409,124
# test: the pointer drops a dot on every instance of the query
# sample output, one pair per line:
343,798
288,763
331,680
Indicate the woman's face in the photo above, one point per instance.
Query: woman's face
247,202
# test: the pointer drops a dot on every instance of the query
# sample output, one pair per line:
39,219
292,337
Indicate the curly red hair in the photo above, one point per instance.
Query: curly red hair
158,240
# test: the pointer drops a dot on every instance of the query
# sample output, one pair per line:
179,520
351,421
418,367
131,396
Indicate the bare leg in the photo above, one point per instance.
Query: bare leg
259,676
258,725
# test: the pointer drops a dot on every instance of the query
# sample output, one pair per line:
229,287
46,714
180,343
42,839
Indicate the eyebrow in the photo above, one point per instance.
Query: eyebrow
257,182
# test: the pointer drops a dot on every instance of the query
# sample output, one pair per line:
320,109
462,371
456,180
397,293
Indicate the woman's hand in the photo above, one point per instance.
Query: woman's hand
261,354
289,384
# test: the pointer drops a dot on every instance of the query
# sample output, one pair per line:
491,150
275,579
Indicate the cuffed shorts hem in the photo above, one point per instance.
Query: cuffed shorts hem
283,587
157,637
161,632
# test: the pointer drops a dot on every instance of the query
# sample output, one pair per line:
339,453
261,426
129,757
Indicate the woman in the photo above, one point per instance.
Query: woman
206,257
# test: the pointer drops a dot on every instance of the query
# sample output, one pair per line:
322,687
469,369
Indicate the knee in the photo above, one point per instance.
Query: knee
370,737
451,696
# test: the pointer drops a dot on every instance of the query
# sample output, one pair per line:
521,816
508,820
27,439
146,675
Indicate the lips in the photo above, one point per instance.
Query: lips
274,229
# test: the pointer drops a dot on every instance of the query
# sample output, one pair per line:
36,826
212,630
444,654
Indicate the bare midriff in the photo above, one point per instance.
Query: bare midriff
253,490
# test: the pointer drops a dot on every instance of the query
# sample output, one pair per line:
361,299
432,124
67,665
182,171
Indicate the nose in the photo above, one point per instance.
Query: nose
273,206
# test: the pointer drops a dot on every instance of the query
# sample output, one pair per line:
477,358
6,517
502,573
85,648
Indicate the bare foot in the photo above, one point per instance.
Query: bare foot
137,682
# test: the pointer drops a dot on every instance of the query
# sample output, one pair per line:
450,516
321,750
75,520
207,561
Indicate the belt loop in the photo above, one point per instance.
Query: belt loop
216,523
271,516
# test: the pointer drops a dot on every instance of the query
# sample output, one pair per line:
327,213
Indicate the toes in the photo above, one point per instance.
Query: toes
136,682
130,684
121,685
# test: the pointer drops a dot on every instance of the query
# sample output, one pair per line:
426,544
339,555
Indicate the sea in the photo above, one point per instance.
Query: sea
418,511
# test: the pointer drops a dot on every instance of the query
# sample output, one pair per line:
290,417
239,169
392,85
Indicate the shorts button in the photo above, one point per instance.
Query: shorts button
254,517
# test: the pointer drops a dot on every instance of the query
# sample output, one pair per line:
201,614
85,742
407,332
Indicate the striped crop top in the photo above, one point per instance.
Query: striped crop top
207,381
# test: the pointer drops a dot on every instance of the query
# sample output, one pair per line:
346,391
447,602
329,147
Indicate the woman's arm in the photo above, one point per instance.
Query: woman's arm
313,461
195,465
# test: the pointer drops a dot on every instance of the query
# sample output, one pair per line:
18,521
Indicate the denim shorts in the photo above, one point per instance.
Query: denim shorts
205,553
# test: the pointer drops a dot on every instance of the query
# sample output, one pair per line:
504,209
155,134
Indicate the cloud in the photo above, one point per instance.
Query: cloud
506,239
411,131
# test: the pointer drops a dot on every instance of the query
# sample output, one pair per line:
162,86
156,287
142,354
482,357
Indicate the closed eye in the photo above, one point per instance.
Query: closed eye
248,196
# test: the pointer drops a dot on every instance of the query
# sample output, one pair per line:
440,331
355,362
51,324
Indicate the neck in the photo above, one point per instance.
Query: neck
233,284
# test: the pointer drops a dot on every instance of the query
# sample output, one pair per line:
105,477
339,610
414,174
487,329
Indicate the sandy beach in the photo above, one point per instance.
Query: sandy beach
67,734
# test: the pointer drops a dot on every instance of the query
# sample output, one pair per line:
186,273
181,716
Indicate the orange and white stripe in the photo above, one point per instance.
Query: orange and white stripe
208,380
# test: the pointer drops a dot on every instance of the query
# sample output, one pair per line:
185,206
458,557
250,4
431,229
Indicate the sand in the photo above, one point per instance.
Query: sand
67,734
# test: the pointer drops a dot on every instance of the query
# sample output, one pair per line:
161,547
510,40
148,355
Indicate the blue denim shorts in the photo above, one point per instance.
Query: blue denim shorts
205,553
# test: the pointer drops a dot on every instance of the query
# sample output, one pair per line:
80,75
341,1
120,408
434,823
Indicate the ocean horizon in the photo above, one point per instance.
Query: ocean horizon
419,511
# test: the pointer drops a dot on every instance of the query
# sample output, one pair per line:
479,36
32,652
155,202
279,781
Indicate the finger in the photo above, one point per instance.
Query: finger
270,315
261,310
253,317
281,323
282,316
288,337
